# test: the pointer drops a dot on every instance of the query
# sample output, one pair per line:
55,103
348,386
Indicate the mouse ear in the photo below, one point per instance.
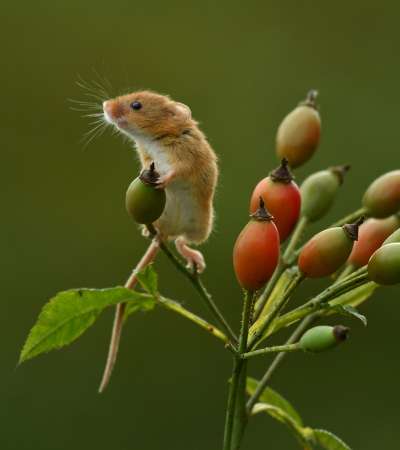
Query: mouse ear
184,110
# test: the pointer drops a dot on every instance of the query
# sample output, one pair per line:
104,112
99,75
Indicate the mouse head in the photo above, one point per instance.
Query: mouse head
145,114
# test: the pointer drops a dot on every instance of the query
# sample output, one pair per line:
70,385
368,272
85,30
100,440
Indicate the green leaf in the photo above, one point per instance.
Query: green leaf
272,397
356,296
277,413
280,287
148,279
329,441
67,315
350,311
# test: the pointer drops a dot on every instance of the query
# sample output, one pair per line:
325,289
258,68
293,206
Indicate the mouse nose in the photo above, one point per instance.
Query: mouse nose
113,109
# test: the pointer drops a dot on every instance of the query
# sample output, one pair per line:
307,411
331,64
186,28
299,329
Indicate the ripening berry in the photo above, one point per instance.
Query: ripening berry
256,251
143,201
384,265
323,337
394,237
318,191
371,236
282,199
382,198
299,132
327,251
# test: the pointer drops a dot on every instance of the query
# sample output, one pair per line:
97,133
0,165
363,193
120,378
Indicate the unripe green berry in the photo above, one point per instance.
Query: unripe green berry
143,201
323,337
318,192
384,265
382,198
393,238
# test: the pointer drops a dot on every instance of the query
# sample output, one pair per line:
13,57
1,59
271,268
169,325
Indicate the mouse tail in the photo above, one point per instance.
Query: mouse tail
147,258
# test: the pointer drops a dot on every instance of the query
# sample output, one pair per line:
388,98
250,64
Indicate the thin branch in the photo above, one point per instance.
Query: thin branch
178,308
194,278
274,349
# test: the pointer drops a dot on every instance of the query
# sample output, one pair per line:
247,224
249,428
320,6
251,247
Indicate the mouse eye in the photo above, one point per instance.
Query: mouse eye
136,105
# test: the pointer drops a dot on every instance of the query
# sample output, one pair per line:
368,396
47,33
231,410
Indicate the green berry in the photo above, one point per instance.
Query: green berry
318,192
384,265
382,198
323,337
143,201
394,237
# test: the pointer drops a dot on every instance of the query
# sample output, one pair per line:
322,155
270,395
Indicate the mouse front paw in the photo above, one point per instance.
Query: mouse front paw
164,180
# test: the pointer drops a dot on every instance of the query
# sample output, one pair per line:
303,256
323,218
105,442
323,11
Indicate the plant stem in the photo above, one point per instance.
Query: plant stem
276,308
352,217
294,240
352,281
235,415
295,336
178,308
194,278
273,349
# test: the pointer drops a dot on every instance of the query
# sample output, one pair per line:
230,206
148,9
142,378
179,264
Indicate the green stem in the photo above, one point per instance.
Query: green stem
273,349
294,240
262,300
178,308
235,417
285,262
194,278
352,281
351,217
266,321
295,336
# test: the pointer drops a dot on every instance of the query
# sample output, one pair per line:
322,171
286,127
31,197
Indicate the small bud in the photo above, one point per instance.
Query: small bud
299,133
143,201
323,337
382,198
384,265
318,191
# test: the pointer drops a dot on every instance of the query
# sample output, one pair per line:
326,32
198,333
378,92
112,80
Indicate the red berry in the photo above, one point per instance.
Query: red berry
282,199
327,251
371,236
256,251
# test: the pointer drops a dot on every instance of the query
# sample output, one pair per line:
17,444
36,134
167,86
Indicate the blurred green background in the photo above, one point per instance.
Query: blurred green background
241,66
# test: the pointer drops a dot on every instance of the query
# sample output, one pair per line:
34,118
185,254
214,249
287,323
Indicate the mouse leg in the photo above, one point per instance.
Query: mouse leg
193,257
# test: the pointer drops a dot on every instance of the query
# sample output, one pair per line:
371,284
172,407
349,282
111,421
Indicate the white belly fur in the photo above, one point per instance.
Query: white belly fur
181,215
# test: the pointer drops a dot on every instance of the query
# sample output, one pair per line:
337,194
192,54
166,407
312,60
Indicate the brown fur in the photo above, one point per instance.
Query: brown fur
170,125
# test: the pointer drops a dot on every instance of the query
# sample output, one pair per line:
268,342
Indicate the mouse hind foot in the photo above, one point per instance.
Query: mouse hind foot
194,258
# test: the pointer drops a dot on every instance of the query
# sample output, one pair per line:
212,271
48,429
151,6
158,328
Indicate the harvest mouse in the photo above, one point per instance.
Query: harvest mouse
165,132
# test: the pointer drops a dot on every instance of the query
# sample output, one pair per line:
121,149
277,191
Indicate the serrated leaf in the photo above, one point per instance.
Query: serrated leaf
148,279
329,441
350,311
356,296
273,398
67,315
